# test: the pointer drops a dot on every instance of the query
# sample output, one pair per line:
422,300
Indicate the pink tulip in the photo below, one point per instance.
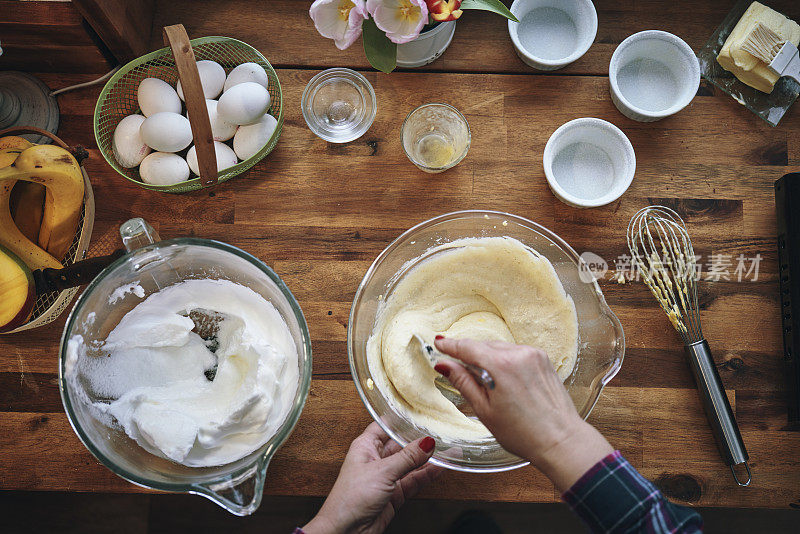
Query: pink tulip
339,20
402,20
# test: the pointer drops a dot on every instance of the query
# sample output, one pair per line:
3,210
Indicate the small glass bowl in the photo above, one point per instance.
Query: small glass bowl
339,105
436,137
601,339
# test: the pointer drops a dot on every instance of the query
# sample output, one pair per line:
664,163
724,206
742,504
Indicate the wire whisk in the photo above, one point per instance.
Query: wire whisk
662,252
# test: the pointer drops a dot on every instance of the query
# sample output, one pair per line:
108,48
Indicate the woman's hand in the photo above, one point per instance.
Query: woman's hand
375,480
529,411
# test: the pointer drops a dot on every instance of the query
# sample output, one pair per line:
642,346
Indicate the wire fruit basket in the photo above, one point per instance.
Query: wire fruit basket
50,305
118,100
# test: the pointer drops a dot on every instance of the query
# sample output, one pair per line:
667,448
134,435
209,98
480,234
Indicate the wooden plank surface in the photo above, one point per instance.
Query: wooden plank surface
123,26
281,29
47,36
319,213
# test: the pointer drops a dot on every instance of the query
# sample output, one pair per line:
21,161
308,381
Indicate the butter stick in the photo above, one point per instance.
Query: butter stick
748,68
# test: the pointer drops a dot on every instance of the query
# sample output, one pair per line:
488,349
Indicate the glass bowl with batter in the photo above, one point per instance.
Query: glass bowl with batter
600,339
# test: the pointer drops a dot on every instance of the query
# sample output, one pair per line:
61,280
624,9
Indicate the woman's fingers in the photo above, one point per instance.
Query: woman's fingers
501,345
417,479
374,430
464,382
466,350
390,448
412,456
369,445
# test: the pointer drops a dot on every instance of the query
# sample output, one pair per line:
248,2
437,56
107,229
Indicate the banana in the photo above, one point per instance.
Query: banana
27,208
27,198
14,141
17,291
59,172
10,236
8,156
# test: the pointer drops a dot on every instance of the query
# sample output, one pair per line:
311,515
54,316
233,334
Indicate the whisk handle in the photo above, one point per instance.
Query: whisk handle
718,409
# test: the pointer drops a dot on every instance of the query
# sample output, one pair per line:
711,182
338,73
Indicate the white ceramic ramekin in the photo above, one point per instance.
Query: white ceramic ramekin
654,47
583,15
589,155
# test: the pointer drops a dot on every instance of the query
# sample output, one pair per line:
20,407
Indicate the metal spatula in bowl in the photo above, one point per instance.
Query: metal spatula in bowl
434,357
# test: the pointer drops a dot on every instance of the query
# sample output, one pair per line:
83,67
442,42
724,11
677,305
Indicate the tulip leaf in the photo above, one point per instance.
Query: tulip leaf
495,6
380,51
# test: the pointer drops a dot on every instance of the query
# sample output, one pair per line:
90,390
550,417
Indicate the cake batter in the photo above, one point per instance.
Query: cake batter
492,288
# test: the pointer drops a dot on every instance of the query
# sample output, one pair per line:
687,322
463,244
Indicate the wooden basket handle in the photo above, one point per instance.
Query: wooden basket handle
17,130
176,38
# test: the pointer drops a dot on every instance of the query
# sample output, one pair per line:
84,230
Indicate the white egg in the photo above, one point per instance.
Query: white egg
212,78
129,149
226,157
247,72
166,132
244,103
252,138
164,168
221,130
155,95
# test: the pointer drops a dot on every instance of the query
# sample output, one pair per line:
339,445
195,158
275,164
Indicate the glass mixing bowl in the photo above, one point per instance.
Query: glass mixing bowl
601,344
155,264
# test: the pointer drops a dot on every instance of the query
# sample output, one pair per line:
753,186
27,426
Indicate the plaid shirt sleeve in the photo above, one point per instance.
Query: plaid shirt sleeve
613,497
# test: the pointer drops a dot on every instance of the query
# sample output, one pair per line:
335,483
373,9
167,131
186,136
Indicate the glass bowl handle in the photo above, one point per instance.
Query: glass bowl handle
136,233
239,495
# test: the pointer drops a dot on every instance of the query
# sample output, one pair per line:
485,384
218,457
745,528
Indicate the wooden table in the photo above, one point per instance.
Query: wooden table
319,213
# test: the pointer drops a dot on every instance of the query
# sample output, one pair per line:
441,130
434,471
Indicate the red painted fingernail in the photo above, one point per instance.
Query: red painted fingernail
442,370
437,338
427,444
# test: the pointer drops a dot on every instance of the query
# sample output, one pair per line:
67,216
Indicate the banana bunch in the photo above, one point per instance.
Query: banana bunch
46,202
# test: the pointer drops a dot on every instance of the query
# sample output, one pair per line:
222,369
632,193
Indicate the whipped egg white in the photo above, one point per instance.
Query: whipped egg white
202,373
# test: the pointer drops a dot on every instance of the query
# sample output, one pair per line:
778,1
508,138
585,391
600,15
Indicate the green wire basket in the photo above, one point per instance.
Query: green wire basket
118,100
